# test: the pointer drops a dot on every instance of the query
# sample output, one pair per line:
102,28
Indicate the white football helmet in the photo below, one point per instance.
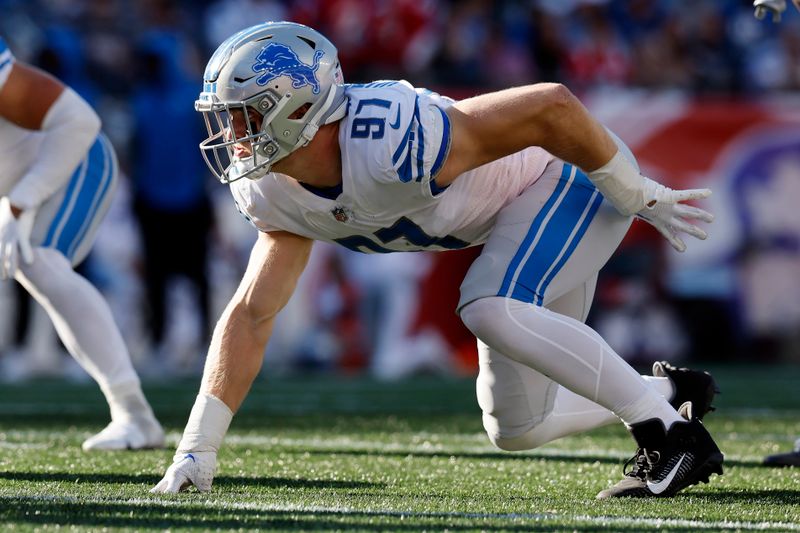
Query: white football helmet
274,68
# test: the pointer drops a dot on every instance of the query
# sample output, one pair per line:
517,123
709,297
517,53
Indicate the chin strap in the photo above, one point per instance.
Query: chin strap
313,124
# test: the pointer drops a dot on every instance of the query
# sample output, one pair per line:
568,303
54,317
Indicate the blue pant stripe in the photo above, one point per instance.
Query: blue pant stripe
589,212
530,237
82,198
100,194
82,202
561,230
67,205
565,229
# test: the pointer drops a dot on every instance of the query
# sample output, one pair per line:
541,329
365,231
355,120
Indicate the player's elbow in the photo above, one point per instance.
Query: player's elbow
558,103
553,94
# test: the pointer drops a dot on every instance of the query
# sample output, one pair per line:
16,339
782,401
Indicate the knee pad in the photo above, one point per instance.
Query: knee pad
511,412
526,441
481,315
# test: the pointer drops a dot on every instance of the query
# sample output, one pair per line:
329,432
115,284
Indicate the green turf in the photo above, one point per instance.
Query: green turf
329,453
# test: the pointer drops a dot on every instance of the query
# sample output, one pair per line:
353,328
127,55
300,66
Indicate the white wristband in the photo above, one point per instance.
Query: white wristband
622,185
207,425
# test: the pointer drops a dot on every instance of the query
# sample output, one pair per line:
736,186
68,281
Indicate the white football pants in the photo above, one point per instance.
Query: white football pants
543,372
64,229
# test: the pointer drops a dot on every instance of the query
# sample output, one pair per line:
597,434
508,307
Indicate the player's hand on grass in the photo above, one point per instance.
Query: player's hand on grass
189,468
669,215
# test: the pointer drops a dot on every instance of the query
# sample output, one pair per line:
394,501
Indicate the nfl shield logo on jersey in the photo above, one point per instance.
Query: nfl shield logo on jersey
340,214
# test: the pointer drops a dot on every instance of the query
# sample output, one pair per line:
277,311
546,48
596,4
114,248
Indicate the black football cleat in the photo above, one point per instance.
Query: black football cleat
693,386
785,459
668,461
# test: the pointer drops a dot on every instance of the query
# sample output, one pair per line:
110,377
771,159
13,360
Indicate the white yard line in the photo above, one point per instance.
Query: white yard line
541,518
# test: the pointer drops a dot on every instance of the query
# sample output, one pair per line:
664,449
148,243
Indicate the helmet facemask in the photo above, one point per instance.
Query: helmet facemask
219,148
289,75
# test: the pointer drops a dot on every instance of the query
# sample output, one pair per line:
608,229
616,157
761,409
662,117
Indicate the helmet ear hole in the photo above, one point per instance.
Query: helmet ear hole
300,112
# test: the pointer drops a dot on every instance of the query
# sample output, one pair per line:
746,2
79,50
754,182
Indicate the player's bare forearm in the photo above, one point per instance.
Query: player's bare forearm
237,346
235,355
548,115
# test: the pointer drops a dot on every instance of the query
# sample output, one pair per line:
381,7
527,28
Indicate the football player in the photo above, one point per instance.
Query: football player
57,177
384,167
777,7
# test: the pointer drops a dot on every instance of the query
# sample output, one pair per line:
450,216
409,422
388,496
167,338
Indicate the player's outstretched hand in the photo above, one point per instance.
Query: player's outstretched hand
668,214
187,469
775,7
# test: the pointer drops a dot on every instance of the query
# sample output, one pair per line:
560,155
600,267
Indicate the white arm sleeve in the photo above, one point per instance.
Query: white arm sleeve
69,128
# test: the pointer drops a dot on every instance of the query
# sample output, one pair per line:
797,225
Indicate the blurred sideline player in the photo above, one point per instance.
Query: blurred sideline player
57,177
384,167
776,9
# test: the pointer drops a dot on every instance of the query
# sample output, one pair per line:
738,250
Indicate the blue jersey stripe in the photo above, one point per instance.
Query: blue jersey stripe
420,145
404,172
3,45
444,147
540,218
404,142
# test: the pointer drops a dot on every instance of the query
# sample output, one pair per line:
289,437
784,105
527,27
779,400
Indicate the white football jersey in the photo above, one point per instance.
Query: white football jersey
18,146
393,141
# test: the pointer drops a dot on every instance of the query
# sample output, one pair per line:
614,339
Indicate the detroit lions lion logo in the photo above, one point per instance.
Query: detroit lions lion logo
277,60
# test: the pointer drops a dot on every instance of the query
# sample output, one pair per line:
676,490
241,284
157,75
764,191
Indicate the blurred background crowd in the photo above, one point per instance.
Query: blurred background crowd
703,93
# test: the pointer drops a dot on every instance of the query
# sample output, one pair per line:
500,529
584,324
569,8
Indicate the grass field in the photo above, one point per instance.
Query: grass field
330,453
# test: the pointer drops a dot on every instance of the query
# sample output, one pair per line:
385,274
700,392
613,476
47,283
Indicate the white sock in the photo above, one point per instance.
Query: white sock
573,413
570,353
127,403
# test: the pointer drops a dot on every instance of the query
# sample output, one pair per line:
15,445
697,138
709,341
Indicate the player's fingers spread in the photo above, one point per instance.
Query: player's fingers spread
677,243
690,211
673,239
691,194
691,229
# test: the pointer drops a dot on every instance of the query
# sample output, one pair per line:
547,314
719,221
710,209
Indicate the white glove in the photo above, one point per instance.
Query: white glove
667,214
776,7
189,468
14,238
